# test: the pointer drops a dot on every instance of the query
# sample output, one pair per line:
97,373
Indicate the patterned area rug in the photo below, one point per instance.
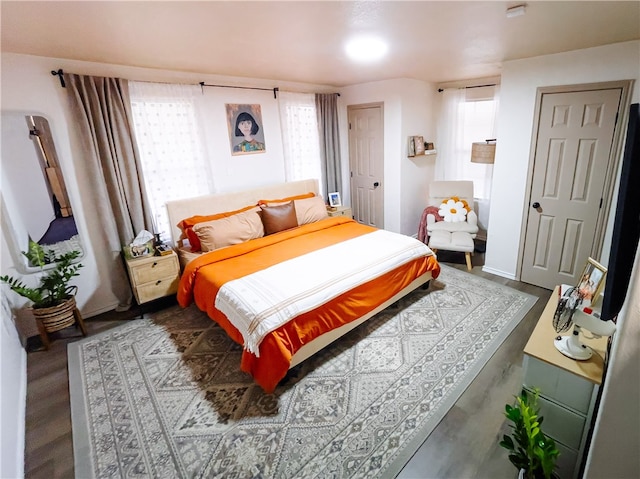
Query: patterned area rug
164,397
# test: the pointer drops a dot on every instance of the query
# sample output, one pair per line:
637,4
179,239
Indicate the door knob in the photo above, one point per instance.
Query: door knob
376,184
535,205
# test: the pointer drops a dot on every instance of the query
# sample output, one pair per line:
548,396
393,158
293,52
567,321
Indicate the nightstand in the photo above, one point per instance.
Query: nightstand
153,277
341,211
568,389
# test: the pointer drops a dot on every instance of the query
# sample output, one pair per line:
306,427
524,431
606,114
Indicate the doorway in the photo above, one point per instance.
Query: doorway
366,163
571,180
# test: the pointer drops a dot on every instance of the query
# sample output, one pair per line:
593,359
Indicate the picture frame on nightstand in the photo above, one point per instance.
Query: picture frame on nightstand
334,199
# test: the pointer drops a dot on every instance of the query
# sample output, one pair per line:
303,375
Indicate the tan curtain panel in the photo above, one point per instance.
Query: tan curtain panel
327,111
102,112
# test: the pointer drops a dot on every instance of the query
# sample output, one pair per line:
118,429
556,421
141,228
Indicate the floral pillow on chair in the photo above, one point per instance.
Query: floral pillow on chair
454,210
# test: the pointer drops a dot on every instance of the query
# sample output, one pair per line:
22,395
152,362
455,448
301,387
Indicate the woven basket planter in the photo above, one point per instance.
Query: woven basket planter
57,317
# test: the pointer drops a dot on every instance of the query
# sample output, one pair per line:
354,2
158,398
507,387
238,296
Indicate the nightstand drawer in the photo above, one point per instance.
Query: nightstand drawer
157,289
157,267
341,211
557,384
561,424
567,461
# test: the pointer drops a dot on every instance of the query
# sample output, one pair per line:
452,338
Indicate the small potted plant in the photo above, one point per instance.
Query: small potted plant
532,452
53,299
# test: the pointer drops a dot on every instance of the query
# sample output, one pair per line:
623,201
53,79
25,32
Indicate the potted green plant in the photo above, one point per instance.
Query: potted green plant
532,452
53,299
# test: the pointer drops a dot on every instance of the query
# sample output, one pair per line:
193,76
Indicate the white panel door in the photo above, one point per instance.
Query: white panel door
366,158
574,139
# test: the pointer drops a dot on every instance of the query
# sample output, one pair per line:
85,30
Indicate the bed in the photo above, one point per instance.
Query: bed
289,292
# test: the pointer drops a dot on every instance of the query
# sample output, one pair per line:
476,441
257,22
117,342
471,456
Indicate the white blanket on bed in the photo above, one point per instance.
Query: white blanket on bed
261,302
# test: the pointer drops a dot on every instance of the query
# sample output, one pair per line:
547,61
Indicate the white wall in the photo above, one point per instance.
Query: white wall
408,111
520,79
13,384
237,172
418,118
616,438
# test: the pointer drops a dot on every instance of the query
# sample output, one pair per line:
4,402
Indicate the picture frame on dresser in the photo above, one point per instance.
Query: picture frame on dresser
591,281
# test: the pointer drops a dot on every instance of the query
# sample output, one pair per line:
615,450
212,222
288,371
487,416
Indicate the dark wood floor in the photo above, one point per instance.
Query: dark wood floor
463,445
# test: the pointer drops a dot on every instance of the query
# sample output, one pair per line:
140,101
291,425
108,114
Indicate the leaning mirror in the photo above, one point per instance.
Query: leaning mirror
35,202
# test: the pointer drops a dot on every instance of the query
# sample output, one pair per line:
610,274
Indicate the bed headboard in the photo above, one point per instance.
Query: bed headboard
221,202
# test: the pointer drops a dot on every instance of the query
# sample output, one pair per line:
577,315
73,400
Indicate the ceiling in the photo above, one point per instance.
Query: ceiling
302,41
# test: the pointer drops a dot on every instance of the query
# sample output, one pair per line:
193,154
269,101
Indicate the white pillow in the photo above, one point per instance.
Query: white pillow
453,210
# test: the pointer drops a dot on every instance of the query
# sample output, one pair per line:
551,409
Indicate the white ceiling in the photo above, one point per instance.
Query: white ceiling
303,41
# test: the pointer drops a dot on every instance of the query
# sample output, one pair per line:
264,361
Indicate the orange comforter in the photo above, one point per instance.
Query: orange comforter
203,277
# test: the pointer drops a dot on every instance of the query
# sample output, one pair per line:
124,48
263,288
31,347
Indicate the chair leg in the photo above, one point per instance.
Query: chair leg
468,258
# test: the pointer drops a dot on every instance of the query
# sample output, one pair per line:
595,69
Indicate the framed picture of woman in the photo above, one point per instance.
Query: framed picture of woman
246,134
591,281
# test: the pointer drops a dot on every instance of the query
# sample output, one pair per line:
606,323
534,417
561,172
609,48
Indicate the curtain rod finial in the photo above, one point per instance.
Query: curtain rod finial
59,74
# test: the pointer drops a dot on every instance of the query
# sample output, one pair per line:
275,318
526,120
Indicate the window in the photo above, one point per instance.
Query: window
172,153
300,138
479,121
467,115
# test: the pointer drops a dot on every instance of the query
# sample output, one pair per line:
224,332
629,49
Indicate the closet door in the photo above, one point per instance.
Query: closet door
572,151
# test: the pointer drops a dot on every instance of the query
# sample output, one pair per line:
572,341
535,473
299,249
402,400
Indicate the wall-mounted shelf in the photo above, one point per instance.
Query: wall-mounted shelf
426,153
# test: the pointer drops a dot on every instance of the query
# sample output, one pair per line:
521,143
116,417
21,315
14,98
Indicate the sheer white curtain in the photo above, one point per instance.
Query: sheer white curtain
450,136
172,150
300,138
467,116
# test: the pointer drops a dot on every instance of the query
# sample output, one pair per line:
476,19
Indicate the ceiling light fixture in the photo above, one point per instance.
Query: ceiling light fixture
366,49
516,11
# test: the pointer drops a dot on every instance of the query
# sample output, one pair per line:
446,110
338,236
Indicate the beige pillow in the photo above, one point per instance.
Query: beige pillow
308,210
231,230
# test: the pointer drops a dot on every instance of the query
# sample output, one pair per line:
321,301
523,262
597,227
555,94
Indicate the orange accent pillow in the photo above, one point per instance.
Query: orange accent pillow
194,241
186,225
311,194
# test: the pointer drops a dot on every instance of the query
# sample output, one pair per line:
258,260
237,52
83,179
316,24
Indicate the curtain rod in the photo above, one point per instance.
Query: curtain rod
440,90
59,73
275,90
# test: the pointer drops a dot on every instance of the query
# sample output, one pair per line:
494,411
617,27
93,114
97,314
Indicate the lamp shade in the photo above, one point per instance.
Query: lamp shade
483,152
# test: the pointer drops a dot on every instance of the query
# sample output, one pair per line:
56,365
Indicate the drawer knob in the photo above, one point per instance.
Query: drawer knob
155,263
158,282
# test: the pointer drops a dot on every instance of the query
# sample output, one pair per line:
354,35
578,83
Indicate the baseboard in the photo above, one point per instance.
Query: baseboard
96,312
497,272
